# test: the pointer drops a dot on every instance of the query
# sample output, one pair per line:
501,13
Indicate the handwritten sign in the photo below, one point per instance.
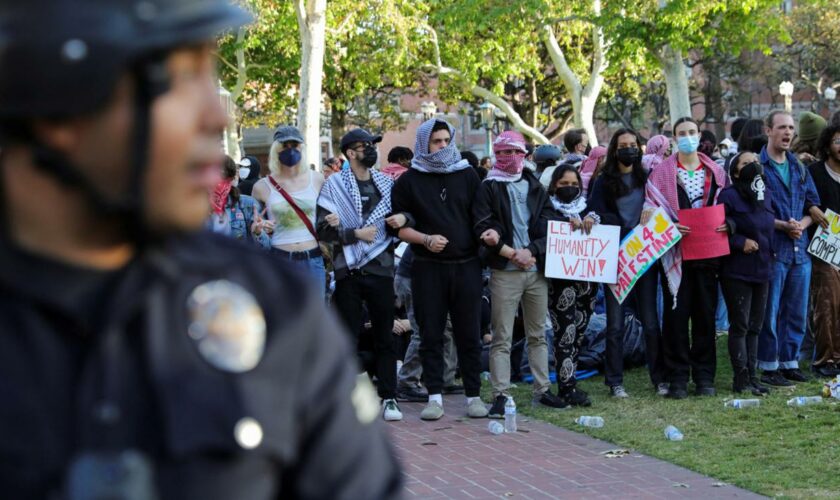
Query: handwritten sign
825,245
703,242
575,255
640,249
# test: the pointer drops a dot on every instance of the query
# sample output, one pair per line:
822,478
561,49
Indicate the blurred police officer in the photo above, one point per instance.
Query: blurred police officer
139,358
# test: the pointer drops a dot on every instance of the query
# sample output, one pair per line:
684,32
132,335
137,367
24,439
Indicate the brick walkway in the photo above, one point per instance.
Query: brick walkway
457,457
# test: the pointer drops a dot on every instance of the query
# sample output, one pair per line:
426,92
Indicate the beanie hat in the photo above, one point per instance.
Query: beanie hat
810,126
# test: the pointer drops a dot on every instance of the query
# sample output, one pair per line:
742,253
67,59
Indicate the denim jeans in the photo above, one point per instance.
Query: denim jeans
785,317
313,266
721,314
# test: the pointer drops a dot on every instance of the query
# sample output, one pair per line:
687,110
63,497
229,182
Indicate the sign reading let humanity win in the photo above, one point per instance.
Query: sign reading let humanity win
640,249
575,255
825,245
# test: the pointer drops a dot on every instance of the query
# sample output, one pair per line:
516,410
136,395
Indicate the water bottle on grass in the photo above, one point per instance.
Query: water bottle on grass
673,434
804,400
742,403
587,421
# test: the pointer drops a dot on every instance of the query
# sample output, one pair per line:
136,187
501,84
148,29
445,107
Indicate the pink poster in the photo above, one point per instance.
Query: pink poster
703,242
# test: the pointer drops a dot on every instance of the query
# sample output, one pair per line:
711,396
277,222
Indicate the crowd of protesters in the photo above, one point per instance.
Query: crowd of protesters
434,255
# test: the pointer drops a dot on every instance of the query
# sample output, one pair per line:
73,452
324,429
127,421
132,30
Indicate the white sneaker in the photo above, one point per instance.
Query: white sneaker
391,411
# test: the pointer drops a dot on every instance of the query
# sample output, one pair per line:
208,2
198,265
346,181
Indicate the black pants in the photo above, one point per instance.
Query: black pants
690,353
441,288
643,300
570,308
378,292
745,302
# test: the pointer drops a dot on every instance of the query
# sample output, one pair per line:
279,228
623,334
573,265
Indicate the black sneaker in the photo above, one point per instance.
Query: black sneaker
825,371
497,410
773,377
704,390
794,375
453,389
412,395
677,392
549,400
576,397
757,386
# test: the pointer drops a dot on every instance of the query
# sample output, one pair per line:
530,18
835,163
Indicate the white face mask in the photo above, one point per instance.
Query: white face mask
244,172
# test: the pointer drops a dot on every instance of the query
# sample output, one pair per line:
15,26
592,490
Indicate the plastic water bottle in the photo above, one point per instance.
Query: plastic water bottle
804,400
587,421
742,403
510,415
673,434
495,427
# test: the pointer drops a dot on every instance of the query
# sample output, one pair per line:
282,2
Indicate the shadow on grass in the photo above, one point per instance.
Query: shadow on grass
773,450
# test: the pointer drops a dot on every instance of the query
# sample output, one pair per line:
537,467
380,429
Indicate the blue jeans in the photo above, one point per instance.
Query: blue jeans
785,317
721,314
313,266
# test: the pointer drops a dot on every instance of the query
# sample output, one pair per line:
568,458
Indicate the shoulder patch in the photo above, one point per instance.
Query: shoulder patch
227,325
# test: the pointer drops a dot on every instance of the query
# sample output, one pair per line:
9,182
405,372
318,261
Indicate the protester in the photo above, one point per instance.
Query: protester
592,167
658,148
141,356
472,159
577,145
617,197
570,303
835,118
511,213
686,180
825,279
804,145
745,272
751,132
290,193
735,129
353,208
249,174
437,194
795,203
546,158
708,146
234,214
399,160
486,163
331,166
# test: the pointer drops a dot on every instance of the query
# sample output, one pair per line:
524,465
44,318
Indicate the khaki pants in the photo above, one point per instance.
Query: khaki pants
507,289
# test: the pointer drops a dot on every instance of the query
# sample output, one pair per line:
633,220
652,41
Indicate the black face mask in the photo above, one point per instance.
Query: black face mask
567,194
628,156
750,182
370,157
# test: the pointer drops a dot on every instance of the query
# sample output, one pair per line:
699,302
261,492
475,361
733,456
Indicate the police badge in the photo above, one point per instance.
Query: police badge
227,325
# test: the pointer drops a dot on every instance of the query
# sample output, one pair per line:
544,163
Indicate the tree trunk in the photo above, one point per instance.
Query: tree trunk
714,99
312,23
337,125
676,82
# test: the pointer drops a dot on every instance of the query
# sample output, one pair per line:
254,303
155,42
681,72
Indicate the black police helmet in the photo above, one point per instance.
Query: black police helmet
63,57
547,154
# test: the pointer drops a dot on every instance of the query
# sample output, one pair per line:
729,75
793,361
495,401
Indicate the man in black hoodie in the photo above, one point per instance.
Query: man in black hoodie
249,174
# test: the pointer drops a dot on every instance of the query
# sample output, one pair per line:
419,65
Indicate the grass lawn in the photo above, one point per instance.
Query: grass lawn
773,450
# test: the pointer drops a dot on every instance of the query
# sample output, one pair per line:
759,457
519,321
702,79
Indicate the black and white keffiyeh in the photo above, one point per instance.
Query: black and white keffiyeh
340,195
442,161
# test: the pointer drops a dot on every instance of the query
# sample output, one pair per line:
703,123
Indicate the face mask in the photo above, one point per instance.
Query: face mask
289,157
244,173
751,180
369,160
511,164
688,144
628,156
567,194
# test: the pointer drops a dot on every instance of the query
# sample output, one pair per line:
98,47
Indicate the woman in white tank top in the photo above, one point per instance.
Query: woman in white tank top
291,238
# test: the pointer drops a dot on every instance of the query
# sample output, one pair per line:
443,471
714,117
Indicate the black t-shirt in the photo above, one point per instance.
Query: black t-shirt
370,196
440,204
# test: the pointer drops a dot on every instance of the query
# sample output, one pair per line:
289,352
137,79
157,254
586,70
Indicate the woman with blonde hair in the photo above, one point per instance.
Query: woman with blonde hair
289,194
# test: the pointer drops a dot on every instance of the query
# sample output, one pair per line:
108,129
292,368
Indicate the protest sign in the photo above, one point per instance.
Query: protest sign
575,255
640,249
825,245
703,242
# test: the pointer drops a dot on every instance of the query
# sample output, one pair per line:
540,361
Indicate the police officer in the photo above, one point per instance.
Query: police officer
138,357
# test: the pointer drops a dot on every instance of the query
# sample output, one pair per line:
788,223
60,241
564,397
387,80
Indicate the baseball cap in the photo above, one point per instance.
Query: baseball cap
286,133
358,135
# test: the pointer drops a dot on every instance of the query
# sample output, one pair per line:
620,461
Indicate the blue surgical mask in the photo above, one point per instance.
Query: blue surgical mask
289,157
688,144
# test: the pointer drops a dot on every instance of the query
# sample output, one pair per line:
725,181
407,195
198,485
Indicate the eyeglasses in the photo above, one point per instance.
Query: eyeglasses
835,142
361,146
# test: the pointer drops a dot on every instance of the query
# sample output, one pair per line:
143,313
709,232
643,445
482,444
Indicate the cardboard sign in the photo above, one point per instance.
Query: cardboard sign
640,249
703,242
825,245
575,255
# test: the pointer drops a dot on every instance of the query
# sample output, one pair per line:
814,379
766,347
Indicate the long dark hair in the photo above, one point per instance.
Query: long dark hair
611,173
229,168
824,144
753,128
558,174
